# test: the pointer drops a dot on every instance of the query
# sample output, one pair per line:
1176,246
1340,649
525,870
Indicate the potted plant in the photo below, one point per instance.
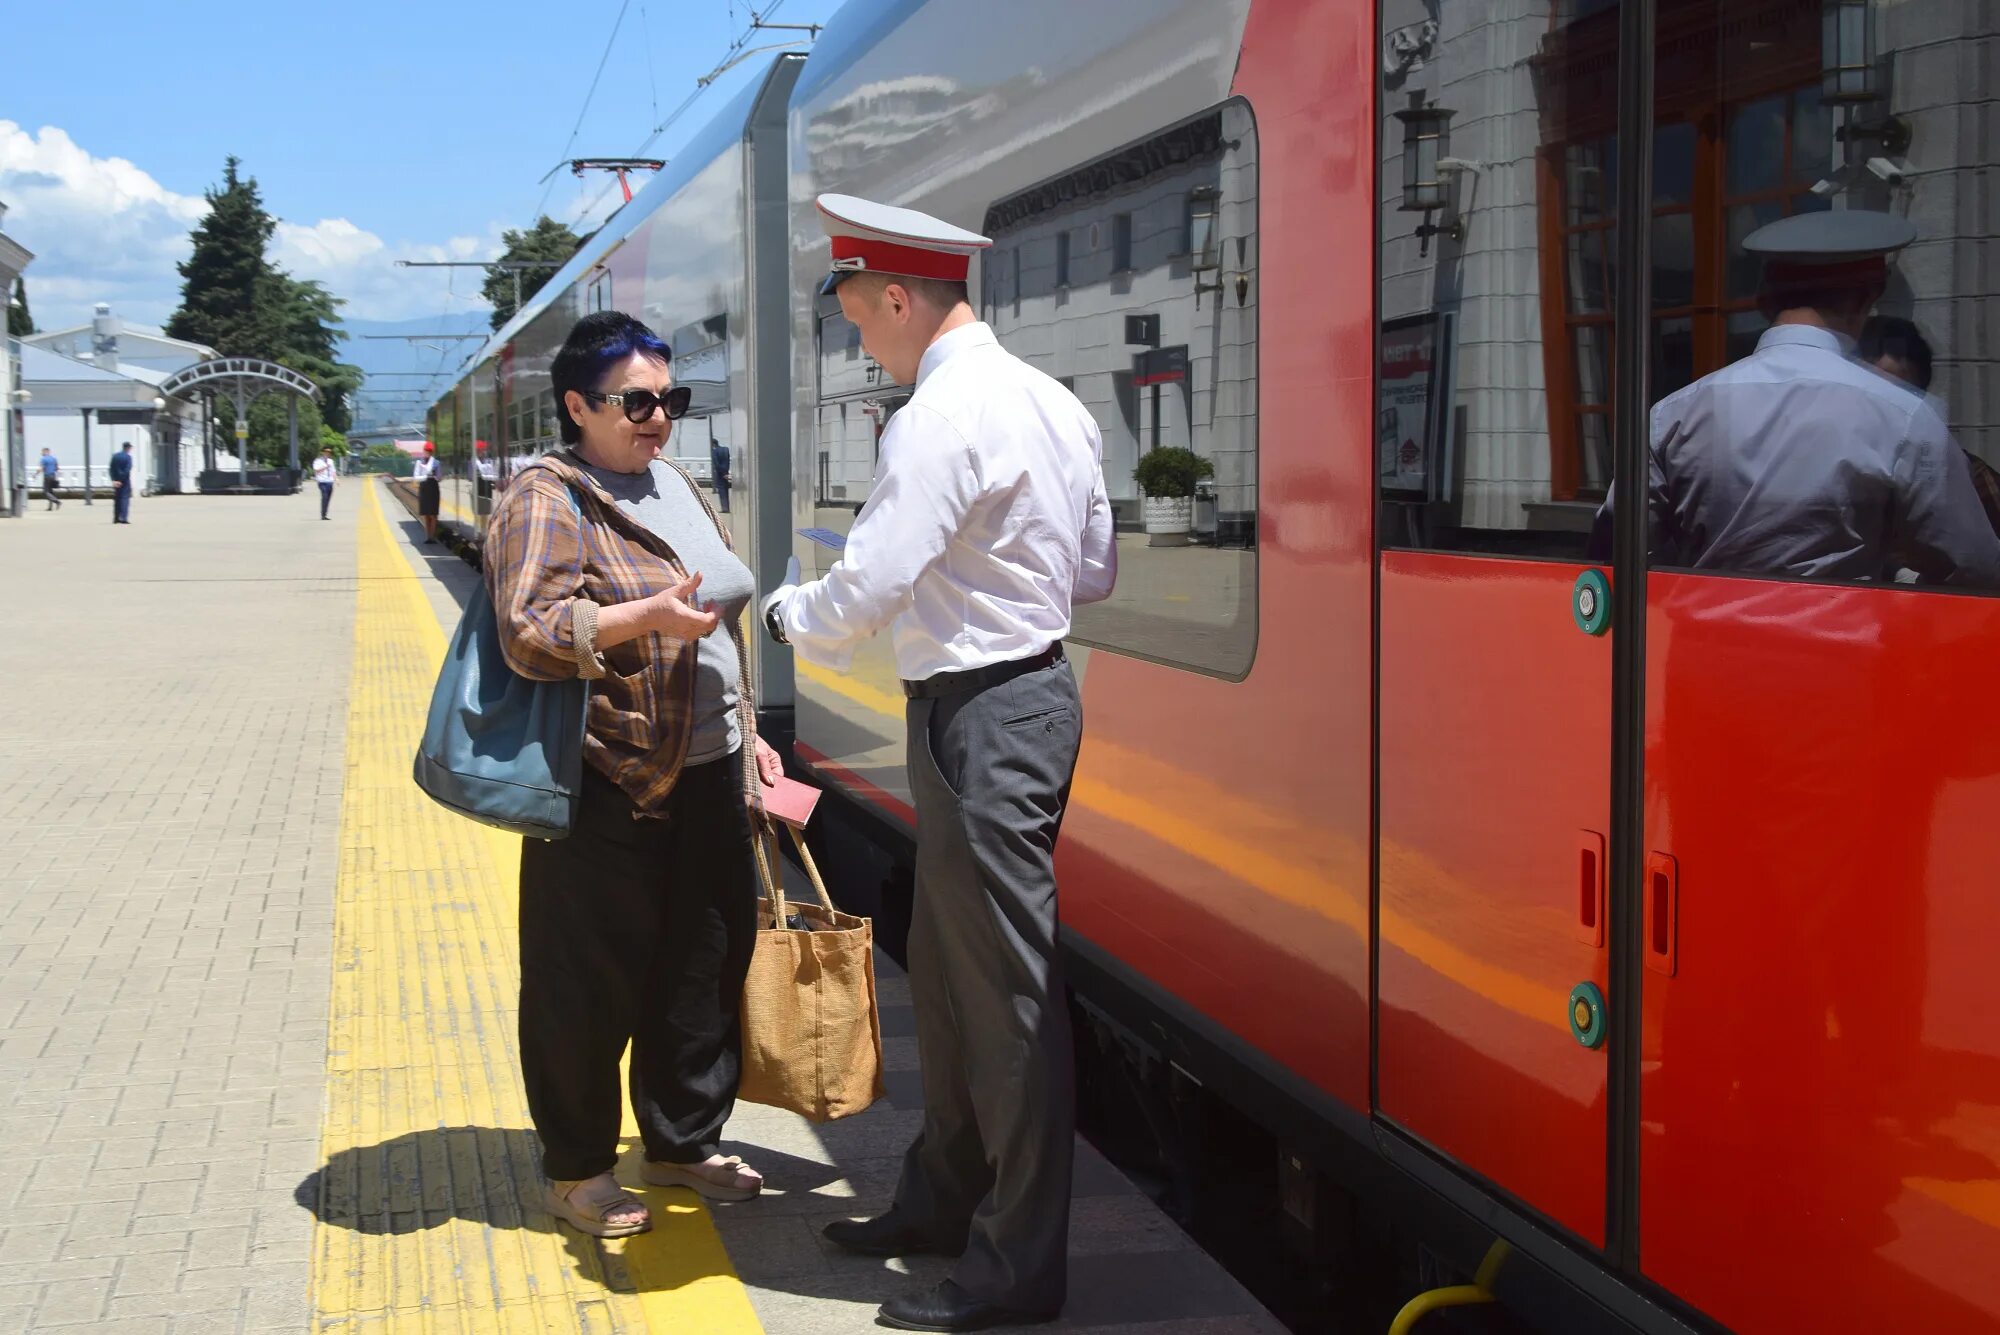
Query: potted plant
1167,477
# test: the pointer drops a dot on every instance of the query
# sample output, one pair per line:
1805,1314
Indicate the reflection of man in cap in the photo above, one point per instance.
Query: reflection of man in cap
987,523
1799,461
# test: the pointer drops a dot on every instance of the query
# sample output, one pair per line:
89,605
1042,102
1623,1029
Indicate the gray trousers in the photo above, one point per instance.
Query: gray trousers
991,772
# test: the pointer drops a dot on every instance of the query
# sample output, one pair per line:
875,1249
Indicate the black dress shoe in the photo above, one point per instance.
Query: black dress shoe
948,1307
887,1235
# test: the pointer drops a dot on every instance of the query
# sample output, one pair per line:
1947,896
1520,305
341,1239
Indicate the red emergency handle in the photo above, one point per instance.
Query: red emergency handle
1662,912
1590,888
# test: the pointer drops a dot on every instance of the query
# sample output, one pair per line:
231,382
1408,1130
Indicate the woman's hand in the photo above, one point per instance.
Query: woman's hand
769,768
674,611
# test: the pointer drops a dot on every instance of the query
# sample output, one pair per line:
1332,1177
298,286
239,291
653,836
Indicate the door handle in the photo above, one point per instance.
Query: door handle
1590,888
1662,913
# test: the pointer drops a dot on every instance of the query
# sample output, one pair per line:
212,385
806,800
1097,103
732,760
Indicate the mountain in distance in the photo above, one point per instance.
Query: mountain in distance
391,394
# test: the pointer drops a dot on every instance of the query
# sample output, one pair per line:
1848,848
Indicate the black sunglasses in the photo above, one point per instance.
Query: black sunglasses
639,404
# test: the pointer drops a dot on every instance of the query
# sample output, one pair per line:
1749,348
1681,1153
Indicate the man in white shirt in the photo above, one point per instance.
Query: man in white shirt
987,524
324,471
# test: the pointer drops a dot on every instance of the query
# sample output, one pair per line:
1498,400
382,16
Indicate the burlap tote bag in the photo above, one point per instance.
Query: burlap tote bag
812,1035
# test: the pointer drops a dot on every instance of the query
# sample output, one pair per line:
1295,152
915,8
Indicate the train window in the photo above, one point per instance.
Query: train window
1832,421
1497,267
1161,345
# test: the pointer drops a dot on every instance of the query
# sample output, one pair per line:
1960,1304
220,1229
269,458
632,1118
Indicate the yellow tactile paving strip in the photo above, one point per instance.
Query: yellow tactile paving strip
428,1157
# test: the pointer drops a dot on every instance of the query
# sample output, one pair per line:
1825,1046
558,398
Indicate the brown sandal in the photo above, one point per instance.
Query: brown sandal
588,1206
745,1181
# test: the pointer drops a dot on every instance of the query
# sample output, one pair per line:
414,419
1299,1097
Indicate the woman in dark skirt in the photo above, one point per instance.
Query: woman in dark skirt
426,475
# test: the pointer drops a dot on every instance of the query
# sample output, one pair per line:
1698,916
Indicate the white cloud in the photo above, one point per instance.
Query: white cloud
102,229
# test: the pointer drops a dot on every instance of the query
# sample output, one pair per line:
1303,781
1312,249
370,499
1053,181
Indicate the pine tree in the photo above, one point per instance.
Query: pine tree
19,323
236,301
546,240
231,295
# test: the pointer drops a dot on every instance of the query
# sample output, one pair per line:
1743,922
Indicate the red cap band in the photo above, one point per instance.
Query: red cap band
909,261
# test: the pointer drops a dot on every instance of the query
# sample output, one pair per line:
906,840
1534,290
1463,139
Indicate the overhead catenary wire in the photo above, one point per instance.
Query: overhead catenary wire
730,56
653,79
577,129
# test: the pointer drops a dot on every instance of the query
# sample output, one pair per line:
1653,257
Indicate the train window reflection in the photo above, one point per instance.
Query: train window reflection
1780,446
1133,280
1499,271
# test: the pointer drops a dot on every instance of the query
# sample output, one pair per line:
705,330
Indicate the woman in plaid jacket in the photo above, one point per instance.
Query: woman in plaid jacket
605,561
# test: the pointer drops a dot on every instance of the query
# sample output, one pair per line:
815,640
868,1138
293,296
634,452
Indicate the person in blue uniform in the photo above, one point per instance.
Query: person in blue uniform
121,485
987,524
1800,461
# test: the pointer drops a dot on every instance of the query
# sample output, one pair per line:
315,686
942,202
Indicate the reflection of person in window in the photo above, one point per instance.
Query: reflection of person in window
1798,461
718,464
1896,347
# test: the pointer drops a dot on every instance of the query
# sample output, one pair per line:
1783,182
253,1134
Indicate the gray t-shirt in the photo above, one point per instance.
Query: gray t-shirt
662,500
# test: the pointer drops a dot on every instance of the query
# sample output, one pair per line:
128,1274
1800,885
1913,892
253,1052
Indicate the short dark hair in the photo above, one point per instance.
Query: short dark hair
595,344
942,293
1893,336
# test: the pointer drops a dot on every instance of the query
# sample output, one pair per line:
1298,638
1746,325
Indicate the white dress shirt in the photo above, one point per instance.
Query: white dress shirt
323,469
424,469
987,523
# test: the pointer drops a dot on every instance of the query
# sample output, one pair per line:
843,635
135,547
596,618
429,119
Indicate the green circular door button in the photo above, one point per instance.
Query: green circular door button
1586,1015
1590,602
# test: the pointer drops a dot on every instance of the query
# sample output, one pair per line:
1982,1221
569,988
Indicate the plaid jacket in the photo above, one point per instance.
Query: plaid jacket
550,564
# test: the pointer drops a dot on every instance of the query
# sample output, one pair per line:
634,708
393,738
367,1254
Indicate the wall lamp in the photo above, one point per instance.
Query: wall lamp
1851,74
1428,168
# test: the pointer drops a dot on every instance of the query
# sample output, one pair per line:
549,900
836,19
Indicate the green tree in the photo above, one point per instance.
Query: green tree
19,323
231,295
236,301
546,240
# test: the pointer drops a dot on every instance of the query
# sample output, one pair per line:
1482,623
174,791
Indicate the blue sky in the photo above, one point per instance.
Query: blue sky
375,130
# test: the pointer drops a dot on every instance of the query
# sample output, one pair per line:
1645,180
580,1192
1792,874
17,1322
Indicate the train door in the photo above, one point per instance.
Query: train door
1499,315
1819,1096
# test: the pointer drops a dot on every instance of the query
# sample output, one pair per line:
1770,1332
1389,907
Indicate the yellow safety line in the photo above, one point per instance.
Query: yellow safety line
428,1156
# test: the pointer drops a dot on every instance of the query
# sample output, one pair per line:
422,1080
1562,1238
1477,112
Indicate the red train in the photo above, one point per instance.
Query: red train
1664,954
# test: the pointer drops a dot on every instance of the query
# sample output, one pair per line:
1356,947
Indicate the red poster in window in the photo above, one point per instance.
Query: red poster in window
1403,404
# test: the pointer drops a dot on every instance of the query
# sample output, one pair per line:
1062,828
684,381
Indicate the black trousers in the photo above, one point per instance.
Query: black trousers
325,497
637,931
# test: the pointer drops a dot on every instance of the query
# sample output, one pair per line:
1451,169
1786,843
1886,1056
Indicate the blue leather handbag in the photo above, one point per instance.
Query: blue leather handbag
498,747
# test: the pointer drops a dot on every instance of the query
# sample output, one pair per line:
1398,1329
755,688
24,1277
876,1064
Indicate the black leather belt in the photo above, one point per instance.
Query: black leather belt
979,678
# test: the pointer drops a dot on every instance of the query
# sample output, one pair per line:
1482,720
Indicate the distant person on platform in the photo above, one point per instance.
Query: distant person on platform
718,466
1798,461
428,492
51,474
121,485
324,472
987,526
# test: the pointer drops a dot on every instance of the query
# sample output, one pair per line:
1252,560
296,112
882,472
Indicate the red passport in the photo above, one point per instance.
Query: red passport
791,802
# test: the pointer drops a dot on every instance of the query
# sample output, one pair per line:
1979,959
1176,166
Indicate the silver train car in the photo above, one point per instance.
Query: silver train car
693,256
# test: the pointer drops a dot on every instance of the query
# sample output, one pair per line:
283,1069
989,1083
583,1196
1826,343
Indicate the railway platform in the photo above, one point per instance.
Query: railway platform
257,1052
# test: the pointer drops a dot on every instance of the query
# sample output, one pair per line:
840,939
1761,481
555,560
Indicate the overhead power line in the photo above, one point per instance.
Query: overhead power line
731,57
602,61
